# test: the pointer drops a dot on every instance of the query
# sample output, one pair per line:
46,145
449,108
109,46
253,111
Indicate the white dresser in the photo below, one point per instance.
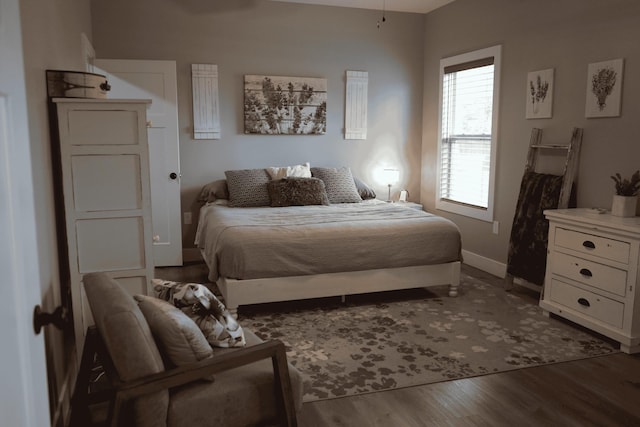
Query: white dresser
592,273
103,167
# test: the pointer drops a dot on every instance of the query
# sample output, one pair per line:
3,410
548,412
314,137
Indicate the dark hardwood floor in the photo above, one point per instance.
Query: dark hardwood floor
601,391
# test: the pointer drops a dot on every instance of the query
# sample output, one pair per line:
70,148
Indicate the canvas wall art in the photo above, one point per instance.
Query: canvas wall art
604,88
275,105
539,94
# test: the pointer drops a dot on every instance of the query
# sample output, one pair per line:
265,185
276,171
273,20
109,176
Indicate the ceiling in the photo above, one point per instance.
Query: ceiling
413,6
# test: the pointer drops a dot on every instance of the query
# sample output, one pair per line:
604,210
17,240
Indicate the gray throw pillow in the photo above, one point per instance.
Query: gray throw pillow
180,339
339,184
364,190
295,191
214,191
248,188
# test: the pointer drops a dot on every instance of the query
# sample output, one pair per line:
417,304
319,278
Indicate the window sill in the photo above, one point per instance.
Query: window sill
465,210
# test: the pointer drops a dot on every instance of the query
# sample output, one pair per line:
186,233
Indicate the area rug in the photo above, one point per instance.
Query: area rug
399,339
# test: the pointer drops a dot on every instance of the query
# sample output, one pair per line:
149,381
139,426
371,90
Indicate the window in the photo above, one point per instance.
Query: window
467,133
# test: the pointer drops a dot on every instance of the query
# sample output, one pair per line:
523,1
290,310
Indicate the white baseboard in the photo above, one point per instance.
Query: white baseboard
191,255
485,264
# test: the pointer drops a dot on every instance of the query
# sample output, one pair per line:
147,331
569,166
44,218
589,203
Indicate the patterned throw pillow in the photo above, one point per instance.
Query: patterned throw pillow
195,300
248,188
295,191
339,184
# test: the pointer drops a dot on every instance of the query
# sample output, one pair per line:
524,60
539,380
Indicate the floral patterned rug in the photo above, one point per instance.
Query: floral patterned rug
403,338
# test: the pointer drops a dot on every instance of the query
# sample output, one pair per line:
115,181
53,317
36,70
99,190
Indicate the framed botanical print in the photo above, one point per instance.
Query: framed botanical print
539,94
276,105
604,88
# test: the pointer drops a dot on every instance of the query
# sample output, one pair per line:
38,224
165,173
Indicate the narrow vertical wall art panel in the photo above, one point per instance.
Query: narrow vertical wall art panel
355,119
206,110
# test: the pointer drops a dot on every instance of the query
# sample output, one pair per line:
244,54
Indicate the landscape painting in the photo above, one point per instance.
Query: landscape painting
275,105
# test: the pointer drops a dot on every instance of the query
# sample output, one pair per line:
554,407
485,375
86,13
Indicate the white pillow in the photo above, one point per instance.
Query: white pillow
302,171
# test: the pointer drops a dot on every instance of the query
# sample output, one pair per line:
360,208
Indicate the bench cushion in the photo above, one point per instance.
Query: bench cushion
242,396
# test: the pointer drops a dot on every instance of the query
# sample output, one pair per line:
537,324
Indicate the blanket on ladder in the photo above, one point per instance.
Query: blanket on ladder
527,257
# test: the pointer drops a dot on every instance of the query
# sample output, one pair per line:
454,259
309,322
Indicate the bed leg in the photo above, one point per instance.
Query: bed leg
508,282
343,298
453,290
233,312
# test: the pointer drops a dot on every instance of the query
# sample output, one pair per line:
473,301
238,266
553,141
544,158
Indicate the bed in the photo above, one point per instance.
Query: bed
266,254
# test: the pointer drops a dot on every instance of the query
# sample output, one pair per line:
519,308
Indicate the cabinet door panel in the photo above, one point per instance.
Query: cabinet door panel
99,127
110,244
106,182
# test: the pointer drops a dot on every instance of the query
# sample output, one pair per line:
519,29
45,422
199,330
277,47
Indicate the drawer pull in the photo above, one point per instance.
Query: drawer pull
586,272
584,301
589,244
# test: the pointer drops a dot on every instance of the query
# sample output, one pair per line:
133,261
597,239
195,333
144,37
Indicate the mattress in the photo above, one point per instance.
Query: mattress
267,242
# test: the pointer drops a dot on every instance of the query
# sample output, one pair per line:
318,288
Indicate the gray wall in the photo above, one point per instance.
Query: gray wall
566,35
51,40
273,38
258,37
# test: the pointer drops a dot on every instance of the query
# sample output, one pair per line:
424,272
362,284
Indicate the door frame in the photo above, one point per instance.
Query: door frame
23,390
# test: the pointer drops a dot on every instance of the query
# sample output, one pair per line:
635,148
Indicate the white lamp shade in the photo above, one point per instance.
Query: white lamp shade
390,176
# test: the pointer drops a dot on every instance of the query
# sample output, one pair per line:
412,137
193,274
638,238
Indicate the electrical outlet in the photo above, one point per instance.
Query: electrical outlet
496,227
186,217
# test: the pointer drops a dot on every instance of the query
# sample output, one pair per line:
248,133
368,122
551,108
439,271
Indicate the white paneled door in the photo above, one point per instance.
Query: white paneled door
155,80
23,372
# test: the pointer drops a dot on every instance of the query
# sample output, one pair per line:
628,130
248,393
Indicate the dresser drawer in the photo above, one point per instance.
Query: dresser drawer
594,245
587,303
593,274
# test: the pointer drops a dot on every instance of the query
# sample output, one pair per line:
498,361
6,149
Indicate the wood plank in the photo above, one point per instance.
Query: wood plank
597,391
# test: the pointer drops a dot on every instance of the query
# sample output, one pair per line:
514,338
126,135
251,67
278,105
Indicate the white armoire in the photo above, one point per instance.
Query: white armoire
104,180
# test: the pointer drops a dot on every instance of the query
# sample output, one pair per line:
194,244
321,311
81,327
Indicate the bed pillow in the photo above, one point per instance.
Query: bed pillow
180,339
296,191
303,171
214,191
339,184
364,190
248,188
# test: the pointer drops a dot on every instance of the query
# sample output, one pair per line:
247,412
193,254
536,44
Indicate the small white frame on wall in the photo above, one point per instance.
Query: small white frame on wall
604,88
540,94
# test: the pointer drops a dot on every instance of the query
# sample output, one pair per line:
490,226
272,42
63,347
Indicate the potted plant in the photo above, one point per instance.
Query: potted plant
626,197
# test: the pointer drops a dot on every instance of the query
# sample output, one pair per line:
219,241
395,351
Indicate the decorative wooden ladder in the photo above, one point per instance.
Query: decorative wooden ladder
568,177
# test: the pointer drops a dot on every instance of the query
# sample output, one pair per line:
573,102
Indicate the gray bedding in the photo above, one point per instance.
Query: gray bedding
266,242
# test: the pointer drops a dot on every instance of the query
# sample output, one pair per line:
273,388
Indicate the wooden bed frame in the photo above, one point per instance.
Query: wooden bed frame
254,291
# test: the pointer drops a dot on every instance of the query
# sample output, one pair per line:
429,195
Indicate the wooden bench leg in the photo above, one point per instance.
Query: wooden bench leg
284,390
80,400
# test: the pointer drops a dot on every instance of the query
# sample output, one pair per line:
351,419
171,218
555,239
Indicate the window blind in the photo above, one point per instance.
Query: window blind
467,107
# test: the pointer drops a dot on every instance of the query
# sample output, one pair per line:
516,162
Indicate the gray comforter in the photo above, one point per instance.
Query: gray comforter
251,243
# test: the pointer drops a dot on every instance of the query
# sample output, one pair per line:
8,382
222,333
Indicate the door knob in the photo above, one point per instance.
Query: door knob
58,318
173,175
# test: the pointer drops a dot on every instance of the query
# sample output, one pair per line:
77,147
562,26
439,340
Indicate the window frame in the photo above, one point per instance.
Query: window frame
461,208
